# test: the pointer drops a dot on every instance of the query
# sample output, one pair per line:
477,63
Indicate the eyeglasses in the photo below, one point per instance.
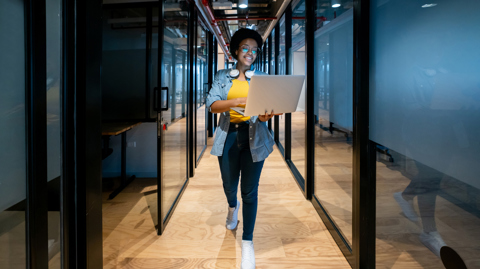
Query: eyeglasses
246,48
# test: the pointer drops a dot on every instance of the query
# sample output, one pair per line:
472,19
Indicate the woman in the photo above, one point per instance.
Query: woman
241,143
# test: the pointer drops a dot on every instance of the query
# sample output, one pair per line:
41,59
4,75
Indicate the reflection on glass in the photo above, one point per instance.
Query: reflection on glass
333,117
202,85
272,68
282,70
272,59
179,92
174,76
265,60
123,64
424,116
297,55
54,74
12,135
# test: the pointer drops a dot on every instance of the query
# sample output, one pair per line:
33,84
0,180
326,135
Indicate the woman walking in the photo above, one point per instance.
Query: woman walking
241,143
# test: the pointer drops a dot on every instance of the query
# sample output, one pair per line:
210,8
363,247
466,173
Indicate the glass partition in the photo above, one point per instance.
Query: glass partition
297,59
54,85
123,64
12,135
272,69
333,103
424,116
201,77
282,70
173,125
265,60
272,58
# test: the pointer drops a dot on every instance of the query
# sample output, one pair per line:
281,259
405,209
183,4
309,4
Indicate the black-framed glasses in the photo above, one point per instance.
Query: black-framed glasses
246,48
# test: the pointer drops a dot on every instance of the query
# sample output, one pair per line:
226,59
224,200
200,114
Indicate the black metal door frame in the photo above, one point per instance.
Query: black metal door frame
364,153
210,65
199,155
162,223
36,215
81,187
191,130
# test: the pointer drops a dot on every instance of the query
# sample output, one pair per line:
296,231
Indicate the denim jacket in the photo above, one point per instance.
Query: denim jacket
261,140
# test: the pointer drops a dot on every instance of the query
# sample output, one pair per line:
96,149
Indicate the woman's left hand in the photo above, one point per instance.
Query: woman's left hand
266,116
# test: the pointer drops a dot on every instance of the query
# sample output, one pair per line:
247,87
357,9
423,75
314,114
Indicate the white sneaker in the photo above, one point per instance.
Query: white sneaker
406,206
433,241
248,255
232,217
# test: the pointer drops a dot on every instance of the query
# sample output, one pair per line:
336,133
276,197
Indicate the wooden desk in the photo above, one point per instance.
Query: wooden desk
114,128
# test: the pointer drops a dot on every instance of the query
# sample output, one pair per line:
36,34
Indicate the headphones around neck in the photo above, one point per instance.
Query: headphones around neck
234,73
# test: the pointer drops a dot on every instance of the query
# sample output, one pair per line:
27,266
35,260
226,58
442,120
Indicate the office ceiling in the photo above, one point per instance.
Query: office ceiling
258,15
224,17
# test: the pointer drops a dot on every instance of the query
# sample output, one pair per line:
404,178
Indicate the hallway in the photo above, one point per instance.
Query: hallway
288,232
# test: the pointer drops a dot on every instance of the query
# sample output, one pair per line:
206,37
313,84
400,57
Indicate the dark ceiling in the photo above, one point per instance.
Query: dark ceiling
260,15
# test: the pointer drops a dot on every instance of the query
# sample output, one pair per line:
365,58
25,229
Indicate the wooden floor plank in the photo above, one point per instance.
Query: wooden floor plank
288,232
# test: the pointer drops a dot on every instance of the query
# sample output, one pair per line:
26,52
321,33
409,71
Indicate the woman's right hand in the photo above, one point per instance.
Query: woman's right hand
221,106
242,101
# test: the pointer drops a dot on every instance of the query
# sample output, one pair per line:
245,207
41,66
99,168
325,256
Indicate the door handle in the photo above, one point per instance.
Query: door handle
164,99
161,99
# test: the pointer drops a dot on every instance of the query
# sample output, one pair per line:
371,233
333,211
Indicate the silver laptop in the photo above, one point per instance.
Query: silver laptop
279,93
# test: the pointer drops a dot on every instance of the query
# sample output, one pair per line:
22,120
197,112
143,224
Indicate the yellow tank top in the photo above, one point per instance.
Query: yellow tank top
238,89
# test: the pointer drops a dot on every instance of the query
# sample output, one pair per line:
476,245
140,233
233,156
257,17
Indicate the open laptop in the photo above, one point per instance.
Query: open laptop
279,93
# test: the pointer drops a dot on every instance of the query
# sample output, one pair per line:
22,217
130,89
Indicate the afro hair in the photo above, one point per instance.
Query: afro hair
242,34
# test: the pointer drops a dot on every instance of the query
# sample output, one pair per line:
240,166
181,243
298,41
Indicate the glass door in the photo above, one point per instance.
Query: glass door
13,135
333,112
201,87
170,99
53,96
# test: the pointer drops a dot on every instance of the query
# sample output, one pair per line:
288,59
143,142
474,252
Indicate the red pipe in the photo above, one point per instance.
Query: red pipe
215,25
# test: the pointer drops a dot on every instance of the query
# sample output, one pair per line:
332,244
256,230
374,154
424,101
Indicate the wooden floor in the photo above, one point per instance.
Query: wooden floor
288,232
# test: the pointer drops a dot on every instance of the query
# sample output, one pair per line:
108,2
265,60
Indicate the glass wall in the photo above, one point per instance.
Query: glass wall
201,77
333,115
282,70
271,69
265,59
123,64
174,140
424,116
297,59
12,135
54,74
272,58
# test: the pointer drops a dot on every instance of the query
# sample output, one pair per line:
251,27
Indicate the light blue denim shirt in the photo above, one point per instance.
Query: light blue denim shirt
261,140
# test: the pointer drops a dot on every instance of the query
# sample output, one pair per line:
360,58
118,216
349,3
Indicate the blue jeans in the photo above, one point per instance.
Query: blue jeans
237,159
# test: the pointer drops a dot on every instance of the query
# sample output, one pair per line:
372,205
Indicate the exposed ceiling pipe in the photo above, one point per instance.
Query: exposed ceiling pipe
280,12
246,19
207,13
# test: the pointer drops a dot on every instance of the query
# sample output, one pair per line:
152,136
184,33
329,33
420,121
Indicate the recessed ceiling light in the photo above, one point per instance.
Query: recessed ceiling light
242,3
429,5
336,5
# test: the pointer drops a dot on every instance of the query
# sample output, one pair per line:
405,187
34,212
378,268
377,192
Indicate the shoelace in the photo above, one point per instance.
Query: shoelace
248,251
